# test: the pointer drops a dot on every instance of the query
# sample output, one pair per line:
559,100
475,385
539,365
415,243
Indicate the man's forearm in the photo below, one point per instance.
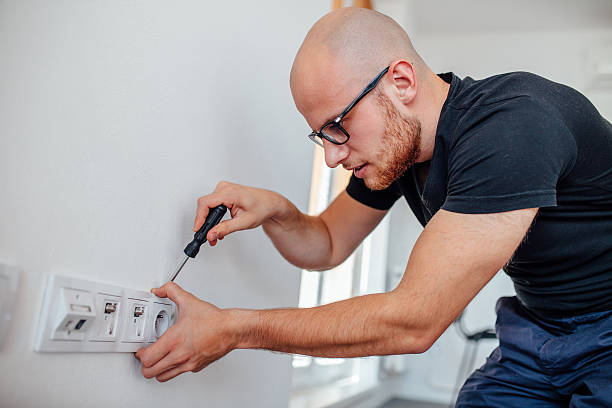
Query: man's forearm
361,326
324,241
301,239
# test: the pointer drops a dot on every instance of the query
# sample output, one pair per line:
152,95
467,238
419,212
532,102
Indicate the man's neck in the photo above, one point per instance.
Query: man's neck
436,92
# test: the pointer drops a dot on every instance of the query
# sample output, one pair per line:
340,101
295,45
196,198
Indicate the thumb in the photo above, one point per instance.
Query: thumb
171,291
228,226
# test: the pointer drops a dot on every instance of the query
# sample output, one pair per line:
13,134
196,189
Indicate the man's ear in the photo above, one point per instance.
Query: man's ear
403,81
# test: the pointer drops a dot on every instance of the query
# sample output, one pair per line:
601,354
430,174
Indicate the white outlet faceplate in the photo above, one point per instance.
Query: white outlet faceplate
85,316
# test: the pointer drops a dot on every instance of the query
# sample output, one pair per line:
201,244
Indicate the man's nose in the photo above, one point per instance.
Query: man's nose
334,154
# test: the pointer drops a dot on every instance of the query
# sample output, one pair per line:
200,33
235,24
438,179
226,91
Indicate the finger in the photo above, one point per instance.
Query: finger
172,372
205,203
169,362
149,356
161,367
228,226
201,213
171,291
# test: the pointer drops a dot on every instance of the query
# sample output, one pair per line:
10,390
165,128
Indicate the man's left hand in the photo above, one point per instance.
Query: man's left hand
198,338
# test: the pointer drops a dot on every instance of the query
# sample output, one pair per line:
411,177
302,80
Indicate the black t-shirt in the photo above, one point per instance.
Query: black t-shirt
515,141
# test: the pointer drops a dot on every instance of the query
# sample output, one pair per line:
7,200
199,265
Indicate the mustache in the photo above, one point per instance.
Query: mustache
351,166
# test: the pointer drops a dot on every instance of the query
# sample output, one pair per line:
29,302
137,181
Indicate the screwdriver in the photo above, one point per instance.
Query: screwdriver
191,250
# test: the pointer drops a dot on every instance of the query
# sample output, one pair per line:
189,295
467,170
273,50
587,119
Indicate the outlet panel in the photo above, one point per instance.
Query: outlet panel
79,315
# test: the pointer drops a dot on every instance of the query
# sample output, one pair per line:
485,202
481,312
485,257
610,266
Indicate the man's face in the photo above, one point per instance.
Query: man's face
383,143
398,149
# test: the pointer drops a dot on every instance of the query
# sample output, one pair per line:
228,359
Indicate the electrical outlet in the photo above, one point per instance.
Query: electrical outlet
136,321
79,315
163,318
109,310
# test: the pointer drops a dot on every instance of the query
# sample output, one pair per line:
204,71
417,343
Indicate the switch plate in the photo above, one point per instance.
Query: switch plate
111,328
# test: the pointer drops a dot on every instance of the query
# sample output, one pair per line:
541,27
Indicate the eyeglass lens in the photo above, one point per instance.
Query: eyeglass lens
334,132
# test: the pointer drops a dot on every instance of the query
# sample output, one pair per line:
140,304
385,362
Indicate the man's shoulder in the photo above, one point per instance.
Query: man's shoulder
521,87
507,110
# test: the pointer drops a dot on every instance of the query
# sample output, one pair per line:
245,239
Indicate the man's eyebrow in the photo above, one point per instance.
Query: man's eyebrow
329,119
325,122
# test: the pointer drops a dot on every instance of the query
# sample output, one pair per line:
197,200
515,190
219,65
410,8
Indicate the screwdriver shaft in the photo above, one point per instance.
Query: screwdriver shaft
183,262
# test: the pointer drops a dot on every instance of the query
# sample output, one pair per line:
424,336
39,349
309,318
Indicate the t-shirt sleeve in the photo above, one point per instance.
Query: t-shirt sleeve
509,157
379,199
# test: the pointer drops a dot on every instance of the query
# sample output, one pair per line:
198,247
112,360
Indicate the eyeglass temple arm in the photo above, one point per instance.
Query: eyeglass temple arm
363,93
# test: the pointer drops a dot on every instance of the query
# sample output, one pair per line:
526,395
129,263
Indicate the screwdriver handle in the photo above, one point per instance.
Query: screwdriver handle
214,216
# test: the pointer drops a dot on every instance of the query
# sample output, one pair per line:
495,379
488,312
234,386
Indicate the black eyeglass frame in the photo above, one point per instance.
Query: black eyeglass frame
336,121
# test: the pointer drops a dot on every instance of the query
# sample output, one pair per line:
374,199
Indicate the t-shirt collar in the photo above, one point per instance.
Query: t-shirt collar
455,82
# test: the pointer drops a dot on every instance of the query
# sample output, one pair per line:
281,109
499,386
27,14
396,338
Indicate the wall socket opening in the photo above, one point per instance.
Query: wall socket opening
162,322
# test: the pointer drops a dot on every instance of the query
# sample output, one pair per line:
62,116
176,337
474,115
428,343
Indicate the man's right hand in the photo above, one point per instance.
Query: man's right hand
309,242
249,207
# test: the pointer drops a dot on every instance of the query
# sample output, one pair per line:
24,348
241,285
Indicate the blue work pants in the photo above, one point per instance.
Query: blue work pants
544,362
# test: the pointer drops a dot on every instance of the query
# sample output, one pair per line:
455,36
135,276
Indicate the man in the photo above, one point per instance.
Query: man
477,161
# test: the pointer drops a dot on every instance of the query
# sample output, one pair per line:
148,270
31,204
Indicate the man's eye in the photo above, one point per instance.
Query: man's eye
335,129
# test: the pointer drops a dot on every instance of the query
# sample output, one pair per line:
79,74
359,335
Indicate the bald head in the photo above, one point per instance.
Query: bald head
340,55
342,52
361,40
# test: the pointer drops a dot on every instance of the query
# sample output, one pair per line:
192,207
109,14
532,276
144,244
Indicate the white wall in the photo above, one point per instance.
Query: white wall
556,39
114,117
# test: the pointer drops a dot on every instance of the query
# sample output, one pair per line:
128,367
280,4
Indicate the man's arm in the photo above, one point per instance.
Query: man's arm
333,235
455,256
309,242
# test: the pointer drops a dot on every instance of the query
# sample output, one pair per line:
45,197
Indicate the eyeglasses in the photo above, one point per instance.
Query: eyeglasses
333,131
